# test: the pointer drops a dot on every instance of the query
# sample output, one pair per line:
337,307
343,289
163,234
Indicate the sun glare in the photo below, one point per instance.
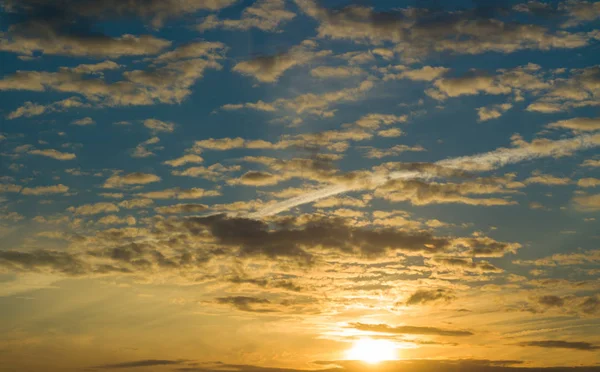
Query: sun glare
372,351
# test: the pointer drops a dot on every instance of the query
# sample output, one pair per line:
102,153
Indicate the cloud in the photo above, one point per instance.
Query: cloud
591,163
54,154
30,109
163,83
116,220
410,330
156,12
326,72
465,264
208,49
422,297
178,193
136,203
45,190
265,15
62,262
374,153
547,179
521,151
140,363
492,112
185,159
181,208
244,303
413,365
157,126
213,172
135,178
255,238
92,209
588,182
84,121
256,178
577,124
309,103
425,73
556,344
94,68
417,32
142,151
551,301
268,69
587,203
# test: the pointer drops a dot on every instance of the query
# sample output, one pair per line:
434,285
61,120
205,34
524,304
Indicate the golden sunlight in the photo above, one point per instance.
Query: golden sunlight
372,351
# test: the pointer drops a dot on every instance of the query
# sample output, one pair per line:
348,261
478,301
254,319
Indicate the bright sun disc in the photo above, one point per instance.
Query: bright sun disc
372,351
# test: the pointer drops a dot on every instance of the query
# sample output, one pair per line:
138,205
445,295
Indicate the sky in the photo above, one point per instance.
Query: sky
292,185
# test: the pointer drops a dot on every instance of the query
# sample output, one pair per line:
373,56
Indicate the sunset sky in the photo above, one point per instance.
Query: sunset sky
285,185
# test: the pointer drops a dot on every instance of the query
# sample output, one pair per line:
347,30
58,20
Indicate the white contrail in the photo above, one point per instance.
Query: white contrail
479,162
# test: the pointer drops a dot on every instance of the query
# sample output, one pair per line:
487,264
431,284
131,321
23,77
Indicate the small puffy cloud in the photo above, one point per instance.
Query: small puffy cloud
309,103
136,203
92,209
591,163
212,172
577,124
198,49
159,126
265,15
374,153
45,190
268,69
181,208
545,107
220,144
246,303
339,72
135,178
116,220
178,193
587,203
492,112
143,149
392,132
256,178
423,297
54,154
94,68
112,195
185,159
547,179
426,73
30,109
588,182
84,121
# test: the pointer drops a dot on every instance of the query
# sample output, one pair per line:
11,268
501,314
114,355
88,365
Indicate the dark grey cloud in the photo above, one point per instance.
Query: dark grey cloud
141,363
410,330
254,237
422,297
416,32
460,365
551,301
244,303
554,344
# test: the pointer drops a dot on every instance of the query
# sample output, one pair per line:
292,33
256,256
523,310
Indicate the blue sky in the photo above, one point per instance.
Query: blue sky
248,166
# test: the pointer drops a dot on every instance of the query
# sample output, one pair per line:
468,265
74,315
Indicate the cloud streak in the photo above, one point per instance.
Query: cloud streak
524,151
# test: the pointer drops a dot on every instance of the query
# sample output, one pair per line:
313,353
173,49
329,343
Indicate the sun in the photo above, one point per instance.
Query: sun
372,351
